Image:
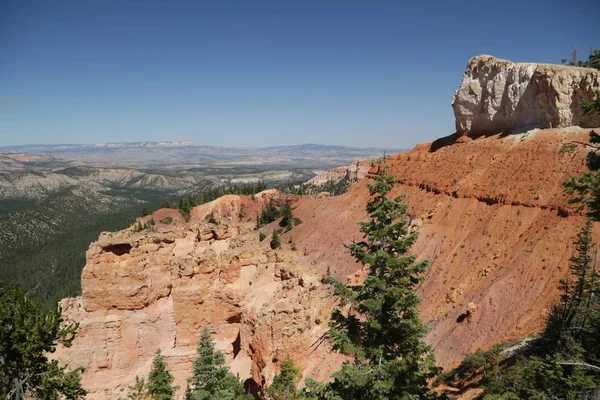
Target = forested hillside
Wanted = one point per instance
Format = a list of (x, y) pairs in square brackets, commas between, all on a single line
[(50, 216)]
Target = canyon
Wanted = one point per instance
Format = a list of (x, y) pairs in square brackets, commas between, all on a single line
[(492, 216)]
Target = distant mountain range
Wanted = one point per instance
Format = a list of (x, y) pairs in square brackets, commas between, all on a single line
[(185, 155), (168, 144)]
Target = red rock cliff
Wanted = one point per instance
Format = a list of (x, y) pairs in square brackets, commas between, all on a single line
[(493, 220)]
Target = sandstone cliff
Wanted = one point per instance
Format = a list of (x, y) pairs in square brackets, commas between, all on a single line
[(501, 96), (156, 289), (493, 219)]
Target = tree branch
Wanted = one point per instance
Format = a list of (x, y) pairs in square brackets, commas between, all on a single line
[(580, 365)]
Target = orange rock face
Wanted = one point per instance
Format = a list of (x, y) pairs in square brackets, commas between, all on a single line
[(150, 290), (493, 220)]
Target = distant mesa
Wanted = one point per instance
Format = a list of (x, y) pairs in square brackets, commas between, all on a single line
[(499, 96), (147, 144)]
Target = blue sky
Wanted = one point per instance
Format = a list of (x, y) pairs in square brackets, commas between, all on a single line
[(258, 73)]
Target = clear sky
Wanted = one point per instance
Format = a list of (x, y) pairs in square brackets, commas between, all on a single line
[(260, 73)]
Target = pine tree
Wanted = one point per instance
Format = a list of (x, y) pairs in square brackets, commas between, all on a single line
[(587, 186), (592, 107), (160, 380), (382, 331), (563, 362), (269, 213), (287, 220), (284, 384), (275, 240), (211, 379), (577, 293), (28, 334)]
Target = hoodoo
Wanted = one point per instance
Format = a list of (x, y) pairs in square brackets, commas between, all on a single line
[(499, 96)]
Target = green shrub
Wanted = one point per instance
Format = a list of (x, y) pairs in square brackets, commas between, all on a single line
[(275, 241), (473, 362), (268, 214), (567, 148), (210, 217)]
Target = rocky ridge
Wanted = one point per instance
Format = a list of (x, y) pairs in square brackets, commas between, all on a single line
[(498, 96), (354, 172), (496, 226)]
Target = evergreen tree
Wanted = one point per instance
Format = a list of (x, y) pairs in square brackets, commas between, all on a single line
[(160, 380), (587, 186), (275, 240), (260, 186), (269, 213), (28, 334), (563, 363), (569, 322), (287, 220), (382, 331), (593, 60), (211, 379), (284, 384), (592, 107)]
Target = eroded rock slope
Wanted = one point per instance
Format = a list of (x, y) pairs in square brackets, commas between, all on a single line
[(493, 220)]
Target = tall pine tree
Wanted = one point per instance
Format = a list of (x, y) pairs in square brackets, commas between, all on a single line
[(211, 379), (160, 379), (568, 323), (287, 219), (381, 329), (275, 241), (284, 384)]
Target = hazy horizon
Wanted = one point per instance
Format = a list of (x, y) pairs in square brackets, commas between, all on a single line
[(191, 143)]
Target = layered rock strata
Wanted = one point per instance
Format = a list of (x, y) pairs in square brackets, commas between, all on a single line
[(498, 96), (493, 219)]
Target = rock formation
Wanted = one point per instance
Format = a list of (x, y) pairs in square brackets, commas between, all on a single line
[(156, 289), (354, 172), (493, 219), (492, 215), (498, 96)]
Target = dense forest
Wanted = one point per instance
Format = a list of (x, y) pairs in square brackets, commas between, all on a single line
[(43, 247), (44, 243)]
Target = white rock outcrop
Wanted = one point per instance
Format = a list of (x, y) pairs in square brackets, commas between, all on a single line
[(501, 96)]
